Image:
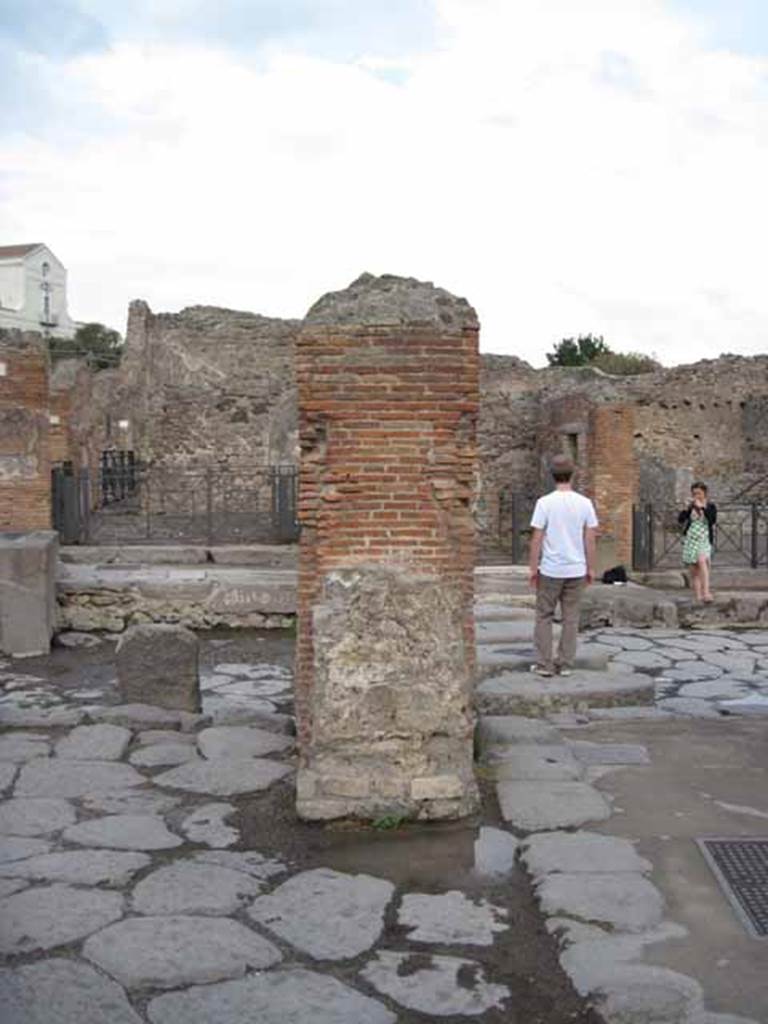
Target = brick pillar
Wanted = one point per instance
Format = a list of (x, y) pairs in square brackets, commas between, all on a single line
[(25, 469), (613, 478), (388, 402)]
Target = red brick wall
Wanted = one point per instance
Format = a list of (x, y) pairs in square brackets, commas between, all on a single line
[(613, 475), (388, 450), (25, 476)]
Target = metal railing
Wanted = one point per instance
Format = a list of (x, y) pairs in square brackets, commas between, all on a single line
[(741, 536)]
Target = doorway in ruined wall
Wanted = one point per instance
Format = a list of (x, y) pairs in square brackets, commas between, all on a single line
[(514, 529)]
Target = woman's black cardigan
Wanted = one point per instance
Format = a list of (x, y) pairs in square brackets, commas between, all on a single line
[(710, 514)]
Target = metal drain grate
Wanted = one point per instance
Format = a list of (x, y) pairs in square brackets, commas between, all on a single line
[(741, 868)]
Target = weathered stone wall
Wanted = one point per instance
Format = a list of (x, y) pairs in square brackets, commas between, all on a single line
[(210, 387), (613, 481), (25, 474), (388, 394)]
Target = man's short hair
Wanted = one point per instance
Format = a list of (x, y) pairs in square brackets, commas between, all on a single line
[(561, 468)]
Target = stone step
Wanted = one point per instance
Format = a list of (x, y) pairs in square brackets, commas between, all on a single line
[(489, 611), (518, 693), (494, 659)]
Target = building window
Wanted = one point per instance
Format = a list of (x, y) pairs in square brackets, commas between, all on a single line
[(3, 369), (45, 269), (572, 446)]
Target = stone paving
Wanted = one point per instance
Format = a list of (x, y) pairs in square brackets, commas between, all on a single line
[(128, 894)]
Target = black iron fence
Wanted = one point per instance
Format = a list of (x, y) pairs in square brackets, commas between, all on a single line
[(129, 503), (741, 536)]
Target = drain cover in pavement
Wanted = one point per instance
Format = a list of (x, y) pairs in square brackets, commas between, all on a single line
[(741, 868)]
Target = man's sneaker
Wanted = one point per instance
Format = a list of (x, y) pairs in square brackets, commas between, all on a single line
[(540, 670), (564, 671)]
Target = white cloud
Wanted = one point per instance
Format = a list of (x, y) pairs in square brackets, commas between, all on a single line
[(568, 168)]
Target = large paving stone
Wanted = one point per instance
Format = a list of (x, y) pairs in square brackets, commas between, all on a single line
[(495, 658), (73, 779), (79, 867), (279, 997), (34, 816), (206, 824), (223, 777), (437, 988), (158, 664), (16, 717), (724, 688), (518, 693), (240, 742), (163, 755), (167, 952), (124, 832), (535, 762), (13, 848), (643, 659), (495, 852), (148, 737), (187, 887), (8, 886), (144, 716), (61, 991), (22, 748), (576, 852), (733, 662), (536, 806), (94, 743), (626, 641), (504, 631), (500, 730), (251, 862), (688, 707), (625, 900), (451, 917), (330, 915), (221, 710), (130, 801), (43, 918)]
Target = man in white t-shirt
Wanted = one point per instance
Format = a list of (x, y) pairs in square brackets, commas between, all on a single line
[(562, 563)]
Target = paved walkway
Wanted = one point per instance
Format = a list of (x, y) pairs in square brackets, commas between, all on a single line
[(151, 870)]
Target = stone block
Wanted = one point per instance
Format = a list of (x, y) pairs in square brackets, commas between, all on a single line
[(159, 665), (437, 787), (27, 592)]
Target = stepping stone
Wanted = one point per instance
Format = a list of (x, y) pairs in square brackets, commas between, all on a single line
[(123, 832), (159, 664), (145, 716), (495, 631), (536, 806), (281, 997), (206, 825), (22, 748), (451, 918), (35, 816), (251, 863), (130, 802), (240, 742), (495, 852), (94, 743), (535, 762), (327, 914), (577, 852), (13, 848), (186, 887), (224, 777), (518, 693), (434, 985), (62, 991), (624, 900), (157, 755), (609, 753), (497, 730), (79, 867), (495, 658), (43, 918), (73, 779), (168, 952)]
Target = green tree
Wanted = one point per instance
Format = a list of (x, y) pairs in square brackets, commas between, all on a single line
[(99, 345), (579, 351)]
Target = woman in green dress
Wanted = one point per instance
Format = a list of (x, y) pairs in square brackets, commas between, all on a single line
[(698, 523)]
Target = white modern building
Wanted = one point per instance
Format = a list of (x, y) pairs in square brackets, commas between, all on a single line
[(33, 291)]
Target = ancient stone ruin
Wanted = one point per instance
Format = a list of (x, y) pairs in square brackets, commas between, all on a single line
[(388, 398)]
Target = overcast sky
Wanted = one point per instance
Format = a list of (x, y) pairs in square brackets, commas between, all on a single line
[(569, 166)]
